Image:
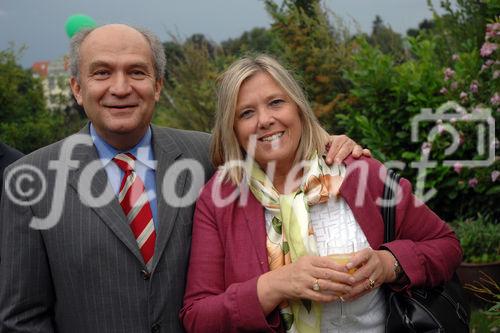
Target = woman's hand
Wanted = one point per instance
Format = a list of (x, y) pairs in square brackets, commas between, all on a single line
[(297, 280), (373, 268)]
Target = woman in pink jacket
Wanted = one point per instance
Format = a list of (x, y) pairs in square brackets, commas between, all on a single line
[(264, 222)]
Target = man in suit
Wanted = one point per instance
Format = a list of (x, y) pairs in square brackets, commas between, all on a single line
[(105, 247), (7, 156)]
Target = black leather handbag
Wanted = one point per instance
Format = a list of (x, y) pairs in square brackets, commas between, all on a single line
[(439, 309)]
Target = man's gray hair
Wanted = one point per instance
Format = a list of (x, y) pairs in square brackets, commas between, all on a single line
[(159, 59)]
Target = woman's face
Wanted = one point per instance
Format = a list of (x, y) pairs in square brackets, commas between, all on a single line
[(269, 119)]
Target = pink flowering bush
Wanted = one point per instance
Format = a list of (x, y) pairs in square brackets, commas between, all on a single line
[(487, 49), (477, 75), (387, 94), (495, 174)]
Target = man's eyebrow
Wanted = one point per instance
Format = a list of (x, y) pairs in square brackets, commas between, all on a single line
[(140, 64), (97, 64), (100, 63)]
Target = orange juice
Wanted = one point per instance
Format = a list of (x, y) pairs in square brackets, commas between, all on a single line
[(342, 259)]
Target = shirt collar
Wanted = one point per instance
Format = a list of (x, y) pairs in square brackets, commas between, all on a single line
[(142, 151)]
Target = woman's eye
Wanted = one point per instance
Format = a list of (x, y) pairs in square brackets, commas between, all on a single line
[(276, 102), (246, 114)]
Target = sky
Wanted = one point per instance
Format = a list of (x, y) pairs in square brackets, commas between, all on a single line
[(39, 24)]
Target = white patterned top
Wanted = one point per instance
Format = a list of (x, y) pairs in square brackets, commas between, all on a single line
[(334, 220)]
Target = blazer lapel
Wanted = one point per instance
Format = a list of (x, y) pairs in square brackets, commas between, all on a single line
[(166, 153), (111, 213), (254, 216)]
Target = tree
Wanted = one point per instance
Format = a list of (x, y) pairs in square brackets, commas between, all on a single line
[(388, 94), (188, 98), (317, 50), (257, 40), (386, 39), (424, 26), (20, 94), (461, 28), (308, 7), (25, 123)]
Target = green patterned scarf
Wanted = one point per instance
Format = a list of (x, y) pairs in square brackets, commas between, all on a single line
[(292, 235)]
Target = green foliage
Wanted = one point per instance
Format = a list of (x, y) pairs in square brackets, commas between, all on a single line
[(483, 321), (370, 87), (387, 95), (188, 99), (487, 289), (257, 40), (32, 132), (306, 6), (317, 49), (479, 238), (25, 123), (386, 39), (20, 95), (493, 313), (424, 27), (473, 81), (461, 27)]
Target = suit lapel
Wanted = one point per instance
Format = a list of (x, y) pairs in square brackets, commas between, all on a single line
[(166, 153), (111, 214)]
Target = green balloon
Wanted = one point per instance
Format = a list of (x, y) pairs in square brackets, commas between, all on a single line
[(77, 22)]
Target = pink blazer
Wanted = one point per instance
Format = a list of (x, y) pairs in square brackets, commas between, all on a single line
[(228, 251)]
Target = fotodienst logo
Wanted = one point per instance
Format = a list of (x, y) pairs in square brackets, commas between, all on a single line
[(446, 119)]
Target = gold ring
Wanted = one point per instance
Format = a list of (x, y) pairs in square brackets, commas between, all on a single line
[(316, 286), (372, 283)]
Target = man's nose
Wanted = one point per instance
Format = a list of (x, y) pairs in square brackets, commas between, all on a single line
[(120, 85)]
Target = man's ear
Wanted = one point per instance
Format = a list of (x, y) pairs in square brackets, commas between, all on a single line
[(76, 89), (158, 87)]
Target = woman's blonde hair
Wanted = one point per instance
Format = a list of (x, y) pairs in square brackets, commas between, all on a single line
[(225, 147)]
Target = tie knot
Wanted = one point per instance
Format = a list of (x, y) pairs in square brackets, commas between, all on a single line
[(125, 161)]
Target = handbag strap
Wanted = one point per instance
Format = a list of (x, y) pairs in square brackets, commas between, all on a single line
[(451, 291), (389, 206)]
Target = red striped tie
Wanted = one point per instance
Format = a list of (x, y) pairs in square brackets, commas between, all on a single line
[(135, 204)]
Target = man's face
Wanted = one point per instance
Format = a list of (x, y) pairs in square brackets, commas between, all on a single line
[(117, 85)]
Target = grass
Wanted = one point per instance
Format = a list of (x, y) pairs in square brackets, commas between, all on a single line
[(480, 322)]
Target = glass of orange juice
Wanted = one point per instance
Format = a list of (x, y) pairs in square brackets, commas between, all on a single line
[(340, 251)]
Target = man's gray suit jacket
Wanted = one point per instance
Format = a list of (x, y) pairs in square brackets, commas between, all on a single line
[(7, 156), (85, 273)]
